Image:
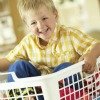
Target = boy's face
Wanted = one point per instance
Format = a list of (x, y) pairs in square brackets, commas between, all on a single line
[(42, 22)]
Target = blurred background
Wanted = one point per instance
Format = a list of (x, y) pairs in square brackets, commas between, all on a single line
[(81, 14)]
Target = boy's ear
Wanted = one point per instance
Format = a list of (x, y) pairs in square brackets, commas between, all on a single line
[(56, 14)]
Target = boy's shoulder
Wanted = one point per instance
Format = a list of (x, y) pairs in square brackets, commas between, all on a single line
[(28, 36), (68, 30)]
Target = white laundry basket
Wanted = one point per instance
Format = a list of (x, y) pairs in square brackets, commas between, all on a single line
[(54, 86)]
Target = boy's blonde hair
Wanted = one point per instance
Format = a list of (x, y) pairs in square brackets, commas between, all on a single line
[(26, 5)]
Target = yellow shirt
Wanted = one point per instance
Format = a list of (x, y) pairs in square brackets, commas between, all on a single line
[(67, 45)]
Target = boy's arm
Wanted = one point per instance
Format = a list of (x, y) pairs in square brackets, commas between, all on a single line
[(4, 64), (90, 58), (95, 51)]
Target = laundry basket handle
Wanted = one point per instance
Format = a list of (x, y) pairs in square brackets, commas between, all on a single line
[(15, 78)]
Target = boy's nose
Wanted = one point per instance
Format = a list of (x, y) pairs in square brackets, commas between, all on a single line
[(41, 26)]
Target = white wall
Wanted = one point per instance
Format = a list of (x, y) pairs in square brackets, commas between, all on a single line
[(93, 9), (86, 18)]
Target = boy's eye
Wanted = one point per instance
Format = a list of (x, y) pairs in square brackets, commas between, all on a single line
[(33, 23), (44, 18)]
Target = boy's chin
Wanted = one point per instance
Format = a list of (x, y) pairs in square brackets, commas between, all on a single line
[(44, 38)]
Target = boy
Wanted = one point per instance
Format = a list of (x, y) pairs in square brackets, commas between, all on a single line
[(49, 46)]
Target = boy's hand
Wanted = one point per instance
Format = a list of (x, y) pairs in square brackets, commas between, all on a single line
[(90, 63)]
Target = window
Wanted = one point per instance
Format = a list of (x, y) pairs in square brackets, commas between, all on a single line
[(7, 34)]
